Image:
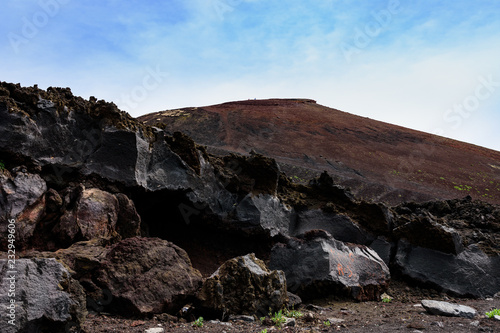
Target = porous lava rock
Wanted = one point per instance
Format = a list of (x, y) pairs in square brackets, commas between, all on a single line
[(46, 298), (146, 276), (243, 286)]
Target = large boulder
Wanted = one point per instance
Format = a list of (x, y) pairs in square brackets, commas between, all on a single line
[(452, 245), (469, 273), (243, 285), (18, 192), (146, 276), (46, 298), (22, 199), (94, 215), (318, 265)]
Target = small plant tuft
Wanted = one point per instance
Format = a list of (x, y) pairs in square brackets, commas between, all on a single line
[(293, 313), (2, 166), (264, 330), (327, 323), (198, 322), (278, 318), (492, 313)]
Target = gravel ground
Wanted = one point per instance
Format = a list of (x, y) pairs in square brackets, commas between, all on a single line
[(403, 314)]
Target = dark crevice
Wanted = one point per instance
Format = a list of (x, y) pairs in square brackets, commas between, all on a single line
[(208, 240)]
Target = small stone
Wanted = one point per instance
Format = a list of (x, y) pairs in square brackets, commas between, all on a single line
[(385, 296), (497, 317), (218, 322), (248, 319), (137, 323), (475, 323), (309, 317), (315, 308), (335, 320), (293, 300), (448, 309), (290, 322), (167, 317), (439, 324), (155, 330)]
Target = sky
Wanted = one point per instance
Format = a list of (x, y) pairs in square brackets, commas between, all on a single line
[(429, 65)]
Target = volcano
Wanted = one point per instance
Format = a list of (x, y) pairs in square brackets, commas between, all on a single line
[(378, 161)]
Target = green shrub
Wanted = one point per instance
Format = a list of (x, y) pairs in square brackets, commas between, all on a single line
[(198, 322), (494, 312), (293, 313), (278, 318)]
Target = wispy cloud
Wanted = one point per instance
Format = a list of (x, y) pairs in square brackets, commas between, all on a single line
[(412, 61)]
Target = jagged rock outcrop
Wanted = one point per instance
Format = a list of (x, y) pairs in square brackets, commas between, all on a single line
[(452, 245), (244, 285), (471, 273), (46, 298), (69, 138), (48, 220), (316, 265)]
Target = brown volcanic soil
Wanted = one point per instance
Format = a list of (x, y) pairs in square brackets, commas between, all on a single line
[(377, 160), (403, 314)]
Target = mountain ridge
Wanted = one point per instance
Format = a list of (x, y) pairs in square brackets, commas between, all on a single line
[(377, 160)]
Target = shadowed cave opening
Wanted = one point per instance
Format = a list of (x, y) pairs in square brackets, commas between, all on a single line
[(208, 239)]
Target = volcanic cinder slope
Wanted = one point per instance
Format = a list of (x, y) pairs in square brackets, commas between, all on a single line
[(377, 160)]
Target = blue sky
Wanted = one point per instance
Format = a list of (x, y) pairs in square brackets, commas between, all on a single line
[(428, 65)]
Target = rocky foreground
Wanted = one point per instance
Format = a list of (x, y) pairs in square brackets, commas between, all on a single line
[(107, 215)]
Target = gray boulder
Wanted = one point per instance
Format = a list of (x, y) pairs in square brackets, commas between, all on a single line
[(21, 199), (319, 265), (19, 192), (46, 298), (266, 212), (243, 285), (448, 309), (384, 249), (470, 273)]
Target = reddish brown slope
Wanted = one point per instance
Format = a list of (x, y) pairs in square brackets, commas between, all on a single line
[(377, 160)]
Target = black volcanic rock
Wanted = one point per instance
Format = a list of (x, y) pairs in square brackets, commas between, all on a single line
[(471, 273), (83, 179), (244, 285), (321, 265)]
